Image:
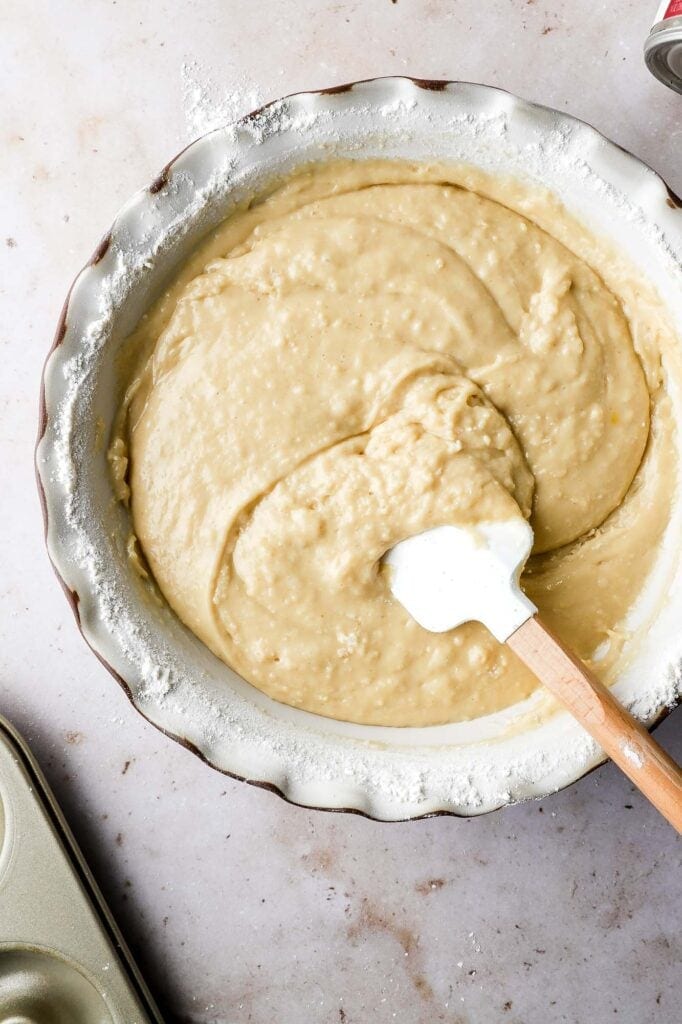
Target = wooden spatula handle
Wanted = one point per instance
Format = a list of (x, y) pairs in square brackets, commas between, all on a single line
[(623, 738)]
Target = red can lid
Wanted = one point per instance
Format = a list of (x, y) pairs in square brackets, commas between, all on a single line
[(671, 9)]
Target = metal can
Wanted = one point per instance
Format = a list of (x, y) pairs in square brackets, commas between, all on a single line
[(663, 48)]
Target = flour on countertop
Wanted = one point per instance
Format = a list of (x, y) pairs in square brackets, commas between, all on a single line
[(208, 105)]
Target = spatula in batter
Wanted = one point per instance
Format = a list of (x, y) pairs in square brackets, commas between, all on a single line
[(450, 575)]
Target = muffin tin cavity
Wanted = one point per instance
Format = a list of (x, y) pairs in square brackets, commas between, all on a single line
[(37, 987), (62, 958)]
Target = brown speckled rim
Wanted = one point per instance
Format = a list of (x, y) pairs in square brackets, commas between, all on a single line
[(156, 186)]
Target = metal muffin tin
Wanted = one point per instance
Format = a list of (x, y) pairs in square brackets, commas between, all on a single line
[(62, 958)]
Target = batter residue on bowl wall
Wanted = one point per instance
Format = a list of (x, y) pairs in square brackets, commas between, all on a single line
[(373, 349)]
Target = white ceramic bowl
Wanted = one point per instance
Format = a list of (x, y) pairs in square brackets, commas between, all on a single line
[(170, 676)]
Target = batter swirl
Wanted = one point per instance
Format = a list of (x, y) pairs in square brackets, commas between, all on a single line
[(371, 351)]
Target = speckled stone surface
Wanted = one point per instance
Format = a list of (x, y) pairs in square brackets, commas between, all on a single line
[(239, 907)]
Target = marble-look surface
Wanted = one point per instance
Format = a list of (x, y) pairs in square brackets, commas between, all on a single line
[(239, 907)]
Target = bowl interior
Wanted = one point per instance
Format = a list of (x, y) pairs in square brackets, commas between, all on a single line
[(172, 678)]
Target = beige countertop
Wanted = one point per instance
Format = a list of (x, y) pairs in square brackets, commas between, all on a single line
[(240, 907)]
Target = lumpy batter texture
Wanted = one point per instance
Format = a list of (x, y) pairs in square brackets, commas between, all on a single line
[(372, 350)]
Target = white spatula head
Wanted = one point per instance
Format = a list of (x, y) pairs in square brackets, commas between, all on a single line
[(454, 574)]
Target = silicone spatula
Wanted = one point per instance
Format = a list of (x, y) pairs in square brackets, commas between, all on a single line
[(452, 574)]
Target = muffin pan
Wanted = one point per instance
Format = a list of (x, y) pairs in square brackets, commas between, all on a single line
[(62, 958)]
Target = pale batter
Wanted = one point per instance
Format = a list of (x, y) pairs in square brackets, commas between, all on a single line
[(372, 350)]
